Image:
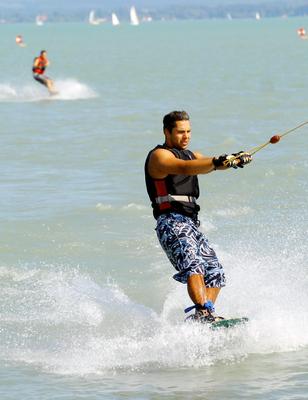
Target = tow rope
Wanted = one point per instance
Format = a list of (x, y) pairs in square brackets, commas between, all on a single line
[(273, 140)]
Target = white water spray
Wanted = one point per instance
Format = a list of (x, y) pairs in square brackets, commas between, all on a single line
[(68, 89)]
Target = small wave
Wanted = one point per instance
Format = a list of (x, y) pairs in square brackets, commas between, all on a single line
[(103, 207), (134, 206), (127, 207), (233, 212), (69, 89)]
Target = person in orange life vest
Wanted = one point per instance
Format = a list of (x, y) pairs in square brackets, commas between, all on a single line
[(172, 184), (40, 64)]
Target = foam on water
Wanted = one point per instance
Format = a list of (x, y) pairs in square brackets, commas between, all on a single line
[(69, 89), (128, 207), (60, 320), (234, 211)]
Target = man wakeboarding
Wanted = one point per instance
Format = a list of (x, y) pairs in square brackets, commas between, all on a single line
[(171, 174), (40, 64)]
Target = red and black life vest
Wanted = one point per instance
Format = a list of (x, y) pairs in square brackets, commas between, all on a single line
[(175, 193), (41, 66)]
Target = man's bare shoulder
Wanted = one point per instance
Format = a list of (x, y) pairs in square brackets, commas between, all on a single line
[(162, 153), (159, 162)]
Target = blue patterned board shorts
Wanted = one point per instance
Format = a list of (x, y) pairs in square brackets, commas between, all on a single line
[(188, 250)]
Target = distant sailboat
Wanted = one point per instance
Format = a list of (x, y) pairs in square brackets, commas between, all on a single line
[(93, 20), (40, 19), (114, 19), (134, 20), (258, 16), (147, 18)]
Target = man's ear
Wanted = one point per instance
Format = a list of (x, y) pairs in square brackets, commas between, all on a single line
[(166, 132)]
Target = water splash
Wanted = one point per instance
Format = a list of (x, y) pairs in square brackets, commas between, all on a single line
[(62, 321), (69, 89)]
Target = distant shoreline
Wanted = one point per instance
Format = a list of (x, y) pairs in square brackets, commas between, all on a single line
[(126, 22), (177, 12)]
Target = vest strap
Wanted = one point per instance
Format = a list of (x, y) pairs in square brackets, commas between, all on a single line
[(170, 197)]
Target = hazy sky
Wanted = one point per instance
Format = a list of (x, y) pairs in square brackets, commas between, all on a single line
[(28, 6), (119, 3)]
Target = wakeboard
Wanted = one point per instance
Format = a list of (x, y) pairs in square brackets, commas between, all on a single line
[(229, 323), (220, 323)]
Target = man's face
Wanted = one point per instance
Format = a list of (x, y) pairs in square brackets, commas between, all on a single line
[(44, 54), (180, 135)]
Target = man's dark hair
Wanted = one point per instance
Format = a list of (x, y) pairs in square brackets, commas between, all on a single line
[(171, 118), (42, 51)]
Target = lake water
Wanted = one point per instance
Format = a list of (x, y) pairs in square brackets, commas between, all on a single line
[(88, 306)]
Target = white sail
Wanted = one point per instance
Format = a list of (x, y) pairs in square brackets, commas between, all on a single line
[(39, 20), (114, 19), (92, 19), (258, 16), (134, 20)]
